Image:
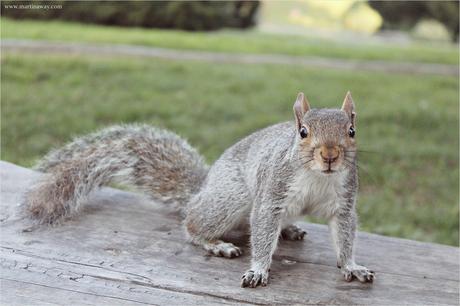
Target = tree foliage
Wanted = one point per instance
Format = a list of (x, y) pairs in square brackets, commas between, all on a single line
[(406, 14), (186, 15)]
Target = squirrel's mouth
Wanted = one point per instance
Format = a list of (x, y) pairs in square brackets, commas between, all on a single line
[(329, 169)]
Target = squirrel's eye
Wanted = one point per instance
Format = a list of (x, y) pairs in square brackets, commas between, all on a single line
[(351, 132), (303, 132)]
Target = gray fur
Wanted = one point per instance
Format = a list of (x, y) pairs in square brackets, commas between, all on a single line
[(265, 180), (155, 161)]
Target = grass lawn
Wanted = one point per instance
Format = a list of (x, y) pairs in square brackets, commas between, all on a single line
[(409, 182), (229, 41)]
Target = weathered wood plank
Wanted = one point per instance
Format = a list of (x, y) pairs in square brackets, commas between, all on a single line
[(23, 293), (124, 246), (93, 282)]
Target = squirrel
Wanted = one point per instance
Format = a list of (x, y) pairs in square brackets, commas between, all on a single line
[(265, 181)]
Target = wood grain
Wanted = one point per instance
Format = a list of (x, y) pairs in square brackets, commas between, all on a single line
[(127, 250)]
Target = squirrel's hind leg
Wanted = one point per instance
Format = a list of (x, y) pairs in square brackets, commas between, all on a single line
[(216, 210), (210, 217), (205, 228)]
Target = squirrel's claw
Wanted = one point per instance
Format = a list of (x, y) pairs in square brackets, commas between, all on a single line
[(253, 278), (293, 232), (363, 274), (223, 249)]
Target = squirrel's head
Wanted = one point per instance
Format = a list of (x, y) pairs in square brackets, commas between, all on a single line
[(326, 137)]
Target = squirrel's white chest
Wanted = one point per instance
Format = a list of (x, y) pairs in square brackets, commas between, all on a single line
[(315, 194)]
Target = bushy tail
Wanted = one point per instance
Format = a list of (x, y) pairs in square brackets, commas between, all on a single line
[(155, 161)]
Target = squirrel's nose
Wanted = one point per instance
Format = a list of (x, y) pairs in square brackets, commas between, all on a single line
[(329, 154)]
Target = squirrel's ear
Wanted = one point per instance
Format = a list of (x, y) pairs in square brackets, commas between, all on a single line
[(301, 106), (349, 107)]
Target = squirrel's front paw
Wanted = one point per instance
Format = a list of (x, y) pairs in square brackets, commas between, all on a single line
[(293, 232), (363, 274), (254, 278)]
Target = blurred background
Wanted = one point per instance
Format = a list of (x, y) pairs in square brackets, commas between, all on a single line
[(216, 71)]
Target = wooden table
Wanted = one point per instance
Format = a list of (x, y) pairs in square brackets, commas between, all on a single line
[(127, 250)]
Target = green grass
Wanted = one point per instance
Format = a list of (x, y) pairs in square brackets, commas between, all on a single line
[(228, 41), (409, 184)]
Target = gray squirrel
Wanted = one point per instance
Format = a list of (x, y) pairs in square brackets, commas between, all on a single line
[(265, 181)]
